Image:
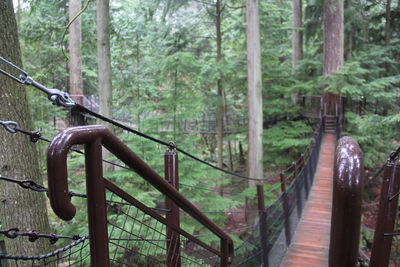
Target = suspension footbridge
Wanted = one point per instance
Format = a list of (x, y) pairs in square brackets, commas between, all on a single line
[(310, 244)]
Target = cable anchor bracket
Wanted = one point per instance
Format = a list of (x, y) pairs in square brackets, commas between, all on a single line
[(56, 96), (10, 126)]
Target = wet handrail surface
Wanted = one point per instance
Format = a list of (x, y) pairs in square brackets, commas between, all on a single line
[(348, 179), (58, 175)]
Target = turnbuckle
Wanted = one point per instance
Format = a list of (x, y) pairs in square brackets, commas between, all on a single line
[(56, 96)]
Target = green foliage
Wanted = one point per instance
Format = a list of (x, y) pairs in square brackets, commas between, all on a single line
[(363, 77), (286, 138), (374, 136)]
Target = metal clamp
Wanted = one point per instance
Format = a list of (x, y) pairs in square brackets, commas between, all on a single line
[(171, 146), (56, 96)]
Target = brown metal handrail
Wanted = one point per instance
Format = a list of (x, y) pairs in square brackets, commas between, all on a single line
[(94, 137), (346, 204)]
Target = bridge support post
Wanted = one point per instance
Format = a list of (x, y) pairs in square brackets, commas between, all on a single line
[(285, 209), (263, 225), (348, 179), (172, 177), (383, 236), (96, 199)]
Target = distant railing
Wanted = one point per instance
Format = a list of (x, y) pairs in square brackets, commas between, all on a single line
[(348, 179), (89, 101), (152, 238), (206, 124)]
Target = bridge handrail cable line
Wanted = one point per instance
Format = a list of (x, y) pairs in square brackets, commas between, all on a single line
[(60, 98)]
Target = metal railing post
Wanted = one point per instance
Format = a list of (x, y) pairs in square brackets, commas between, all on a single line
[(173, 216), (346, 204), (263, 224), (381, 246), (285, 209), (298, 190), (295, 172), (305, 175), (96, 198)]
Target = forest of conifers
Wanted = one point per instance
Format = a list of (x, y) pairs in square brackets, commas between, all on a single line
[(178, 70)]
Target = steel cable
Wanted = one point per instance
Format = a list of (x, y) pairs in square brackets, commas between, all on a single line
[(83, 109), (13, 127)]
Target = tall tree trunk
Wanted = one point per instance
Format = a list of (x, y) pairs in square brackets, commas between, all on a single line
[(349, 42), (220, 89), (104, 64), (255, 111), (75, 55), (297, 37), (333, 46), (388, 29), (297, 40), (333, 36), (19, 11), (75, 61), (19, 207), (138, 80), (230, 156), (255, 164)]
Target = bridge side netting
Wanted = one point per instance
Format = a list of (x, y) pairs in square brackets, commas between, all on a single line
[(277, 221)]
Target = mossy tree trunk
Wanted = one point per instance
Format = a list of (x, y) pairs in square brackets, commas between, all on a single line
[(19, 207)]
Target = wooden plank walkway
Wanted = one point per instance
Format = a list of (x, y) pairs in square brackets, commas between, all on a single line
[(310, 244)]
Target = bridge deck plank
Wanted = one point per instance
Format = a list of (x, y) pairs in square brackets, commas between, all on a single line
[(310, 244)]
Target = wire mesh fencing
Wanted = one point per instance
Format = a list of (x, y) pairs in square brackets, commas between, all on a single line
[(281, 217), (140, 237), (74, 254)]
